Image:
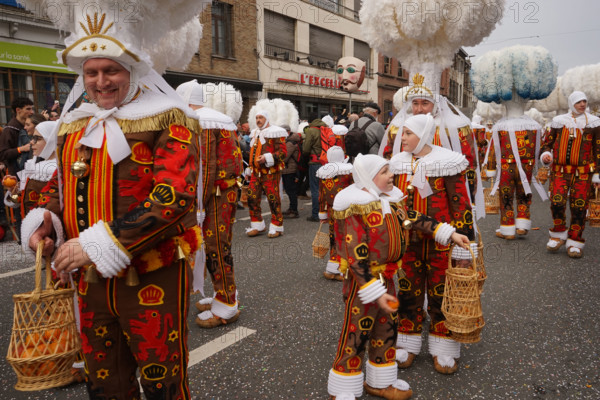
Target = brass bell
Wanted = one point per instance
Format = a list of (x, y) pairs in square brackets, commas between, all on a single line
[(218, 191), (15, 198), (407, 224), (80, 169), (132, 278), (180, 253), (410, 189), (91, 276)]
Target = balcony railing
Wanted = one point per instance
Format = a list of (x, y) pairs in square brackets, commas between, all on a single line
[(298, 57), (336, 8)]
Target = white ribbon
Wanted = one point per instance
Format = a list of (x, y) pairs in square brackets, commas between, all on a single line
[(103, 122), (419, 180)]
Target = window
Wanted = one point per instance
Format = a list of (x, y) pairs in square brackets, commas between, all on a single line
[(357, 9), (387, 65), (387, 111), (330, 5), (362, 51), (400, 71), (280, 35), (222, 36), (42, 87), (325, 45)]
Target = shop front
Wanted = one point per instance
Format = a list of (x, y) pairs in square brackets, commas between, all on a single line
[(34, 72)]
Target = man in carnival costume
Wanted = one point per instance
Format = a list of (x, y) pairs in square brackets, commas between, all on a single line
[(221, 165), (267, 155), (423, 98), (122, 208), (573, 148)]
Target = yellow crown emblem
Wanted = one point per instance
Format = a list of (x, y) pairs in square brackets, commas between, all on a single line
[(95, 28), (418, 89), (151, 295)]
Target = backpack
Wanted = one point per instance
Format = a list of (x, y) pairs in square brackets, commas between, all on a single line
[(356, 140), (328, 140)]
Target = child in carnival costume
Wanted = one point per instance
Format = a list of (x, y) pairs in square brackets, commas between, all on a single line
[(370, 224), (434, 179), (333, 177)]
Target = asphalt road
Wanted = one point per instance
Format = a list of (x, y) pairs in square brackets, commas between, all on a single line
[(540, 340)]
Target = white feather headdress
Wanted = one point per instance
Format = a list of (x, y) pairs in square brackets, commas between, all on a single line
[(223, 98), (281, 112)]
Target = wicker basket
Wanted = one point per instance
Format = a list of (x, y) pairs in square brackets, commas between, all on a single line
[(244, 195), (492, 203), (44, 340), (594, 212), (542, 174), (320, 244), (469, 337), (480, 265), (461, 304)]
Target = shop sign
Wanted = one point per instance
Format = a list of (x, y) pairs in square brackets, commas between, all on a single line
[(22, 56)]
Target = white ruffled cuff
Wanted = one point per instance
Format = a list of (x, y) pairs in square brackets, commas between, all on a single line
[(322, 216), (371, 291), (546, 153), (443, 233), (440, 347), (274, 228), (596, 178), (381, 376), (32, 222), (222, 310), (269, 160), (346, 384), (458, 253), (109, 256), (410, 343), (490, 173)]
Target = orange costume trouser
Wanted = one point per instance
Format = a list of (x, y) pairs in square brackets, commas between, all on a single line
[(366, 326), (124, 328), (218, 231), (269, 183), (575, 188), (510, 182)]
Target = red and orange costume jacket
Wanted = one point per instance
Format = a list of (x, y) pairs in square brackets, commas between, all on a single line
[(269, 142), (333, 178), (139, 211), (220, 149), (35, 177), (574, 150)]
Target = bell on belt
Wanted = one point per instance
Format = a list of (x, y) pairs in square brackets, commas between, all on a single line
[(80, 169), (410, 189), (15, 198), (407, 224), (132, 278), (91, 276), (180, 253), (218, 192)]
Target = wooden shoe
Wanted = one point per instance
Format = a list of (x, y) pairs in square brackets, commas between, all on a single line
[(203, 307), (577, 253), (522, 232), (554, 249), (408, 362), (275, 234), (502, 236), (389, 393), (444, 370), (333, 277), (216, 321), (254, 232)]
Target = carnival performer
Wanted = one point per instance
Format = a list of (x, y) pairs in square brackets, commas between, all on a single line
[(333, 177), (573, 148), (123, 211), (370, 230), (434, 179), (221, 164), (422, 99), (479, 135), (36, 173), (267, 155)]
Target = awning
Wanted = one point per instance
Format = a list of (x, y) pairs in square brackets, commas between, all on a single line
[(175, 79)]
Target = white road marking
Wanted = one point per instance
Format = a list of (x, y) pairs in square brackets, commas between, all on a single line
[(16, 272), (222, 342)]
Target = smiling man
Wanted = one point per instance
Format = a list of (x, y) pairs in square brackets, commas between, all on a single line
[(122, 218)]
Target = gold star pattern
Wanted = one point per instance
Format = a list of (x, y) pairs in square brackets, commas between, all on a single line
[(173, 336), (101, 331), (102, 373)]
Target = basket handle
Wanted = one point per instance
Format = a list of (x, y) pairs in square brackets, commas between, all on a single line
[(473, 261), (321, 223), (37, 291)]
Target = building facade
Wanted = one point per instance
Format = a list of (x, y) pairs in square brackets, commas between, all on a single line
[(28, 63), (228, 50), (299, 44)]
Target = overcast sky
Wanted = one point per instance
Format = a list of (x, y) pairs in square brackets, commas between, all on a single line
[(569, 29)]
